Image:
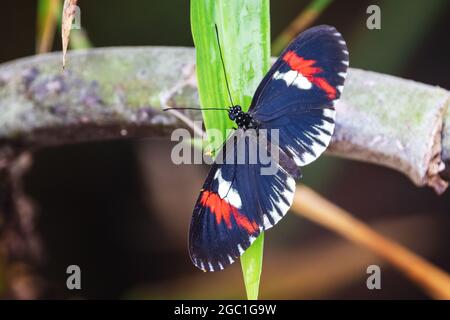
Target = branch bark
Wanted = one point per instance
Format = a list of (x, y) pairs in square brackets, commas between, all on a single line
[(119, 92)]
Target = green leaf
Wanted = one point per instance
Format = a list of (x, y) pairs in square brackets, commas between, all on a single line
[(251, 262), (46, 24), (244, 34)]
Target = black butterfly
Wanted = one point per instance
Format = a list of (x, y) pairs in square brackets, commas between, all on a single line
[(297, 97)]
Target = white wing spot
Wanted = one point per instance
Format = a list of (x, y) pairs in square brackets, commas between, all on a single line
[(329, 113), (226, 191), (345, 62), (293, 78), (324, 137), (329, 128), (309, 157), (266, 222), (292, 185), (284, 203), (342, 74), (297, 160)]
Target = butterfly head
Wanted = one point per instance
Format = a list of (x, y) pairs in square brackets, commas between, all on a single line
[(243, 119), (234, 112)]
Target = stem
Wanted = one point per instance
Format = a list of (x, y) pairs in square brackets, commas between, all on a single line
[(314, 207), (300, 23)]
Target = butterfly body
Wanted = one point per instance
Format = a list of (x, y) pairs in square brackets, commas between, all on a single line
[(243, 120), (295, 105)]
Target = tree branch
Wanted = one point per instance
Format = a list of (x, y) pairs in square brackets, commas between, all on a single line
[(119, 92)]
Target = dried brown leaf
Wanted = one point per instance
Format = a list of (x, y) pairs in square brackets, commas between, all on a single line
[(69, 10)]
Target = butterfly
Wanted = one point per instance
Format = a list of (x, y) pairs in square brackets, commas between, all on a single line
[(296, 97)]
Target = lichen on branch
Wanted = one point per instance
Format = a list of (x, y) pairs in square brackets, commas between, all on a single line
[(118, 92)]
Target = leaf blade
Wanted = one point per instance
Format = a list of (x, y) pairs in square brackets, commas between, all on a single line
[(244, 34)]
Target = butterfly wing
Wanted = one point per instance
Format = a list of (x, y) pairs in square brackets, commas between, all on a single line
[(297, 95), (236, 203)]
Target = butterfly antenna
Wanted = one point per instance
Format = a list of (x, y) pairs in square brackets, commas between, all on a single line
[(223, 64), (176, 108)]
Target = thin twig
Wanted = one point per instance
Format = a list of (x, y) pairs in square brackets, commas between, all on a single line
[(300, 23), (47, 28), (314, 207)]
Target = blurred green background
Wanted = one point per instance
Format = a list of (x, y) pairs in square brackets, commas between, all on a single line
[(109, 207)]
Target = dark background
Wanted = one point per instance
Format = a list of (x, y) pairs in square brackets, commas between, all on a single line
[(120, 210)]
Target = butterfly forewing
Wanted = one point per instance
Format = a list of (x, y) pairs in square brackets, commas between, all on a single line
[(298, 94)]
